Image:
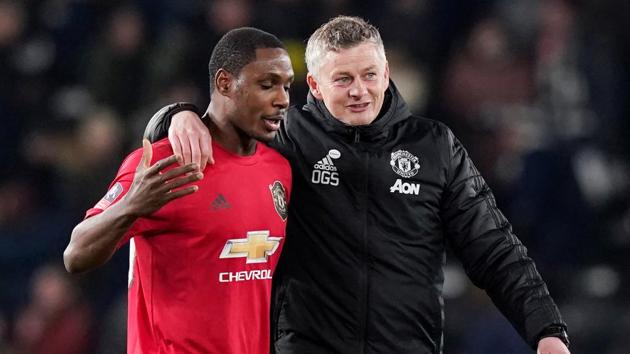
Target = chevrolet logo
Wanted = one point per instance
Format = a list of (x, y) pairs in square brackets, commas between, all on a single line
[(257, 247)]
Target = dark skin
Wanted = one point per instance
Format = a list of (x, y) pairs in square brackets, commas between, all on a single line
[(244, 108), (94, 240)]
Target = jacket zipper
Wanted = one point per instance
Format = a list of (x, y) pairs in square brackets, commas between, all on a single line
[(366, 255)]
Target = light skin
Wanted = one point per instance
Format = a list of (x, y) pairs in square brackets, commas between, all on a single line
[(244, 108), (352, 84)]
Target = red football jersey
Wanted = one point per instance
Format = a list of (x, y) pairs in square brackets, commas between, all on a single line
[(201, 266)]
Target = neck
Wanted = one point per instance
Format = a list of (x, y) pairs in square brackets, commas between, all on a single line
[(226, 134)]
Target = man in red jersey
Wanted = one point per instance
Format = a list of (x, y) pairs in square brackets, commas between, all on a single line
[(202, 255)]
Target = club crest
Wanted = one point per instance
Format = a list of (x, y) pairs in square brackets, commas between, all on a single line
[(279, 195), (404, 163)]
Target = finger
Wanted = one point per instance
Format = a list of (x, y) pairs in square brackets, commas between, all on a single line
[(175, 144), (211, 156), (162, 164), (179, 171), (181, 193), (147, 154), (205, 145), (195, 151), (186, 153), (178, 182)]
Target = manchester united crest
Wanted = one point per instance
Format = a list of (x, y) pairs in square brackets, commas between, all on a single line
[(279, 195), (404, 163)]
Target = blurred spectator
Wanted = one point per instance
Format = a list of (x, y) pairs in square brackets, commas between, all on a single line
[(485, 83), (538, 90), (485, 72), (5, 347), (29, 235), (56, 320), (116, 64)]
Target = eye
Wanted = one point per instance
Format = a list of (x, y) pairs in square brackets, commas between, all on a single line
[(266, 85), (342, 80), (370, 76)]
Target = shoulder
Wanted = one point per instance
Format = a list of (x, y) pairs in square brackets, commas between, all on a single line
[(296, 117), (161, 149), (416, 125), (271, 155)]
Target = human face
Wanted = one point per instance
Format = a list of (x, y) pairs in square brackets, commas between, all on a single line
[(352, 83), (261, 94)]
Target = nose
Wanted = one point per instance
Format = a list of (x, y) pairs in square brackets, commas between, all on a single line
[(358, 89), (282, 98)]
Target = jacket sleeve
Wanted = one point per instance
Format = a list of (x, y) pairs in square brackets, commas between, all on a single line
[(493, 257), (157, 128)]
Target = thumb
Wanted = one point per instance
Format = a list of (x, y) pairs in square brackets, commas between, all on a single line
[(147, 154)]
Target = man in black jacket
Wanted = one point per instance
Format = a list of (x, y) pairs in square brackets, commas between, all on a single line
[(377, 194)]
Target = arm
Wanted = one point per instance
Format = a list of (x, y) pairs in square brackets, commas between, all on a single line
[(94, 240), (188, 136), (493, 257)]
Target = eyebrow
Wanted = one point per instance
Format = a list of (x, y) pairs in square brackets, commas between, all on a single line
[(347, 73), (275, 77)]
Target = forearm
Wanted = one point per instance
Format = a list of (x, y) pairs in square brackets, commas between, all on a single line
[(94, 240)]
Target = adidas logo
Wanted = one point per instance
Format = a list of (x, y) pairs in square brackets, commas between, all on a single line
[(220, 203), (325, 171), (325, 164)]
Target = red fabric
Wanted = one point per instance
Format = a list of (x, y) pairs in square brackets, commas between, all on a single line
[(178, 302)]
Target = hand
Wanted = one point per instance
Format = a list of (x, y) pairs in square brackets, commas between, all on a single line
[(191, 139), (552, 345), (151, 189)]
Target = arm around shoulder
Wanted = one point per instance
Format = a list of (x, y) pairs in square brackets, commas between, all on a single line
[(188, 135)]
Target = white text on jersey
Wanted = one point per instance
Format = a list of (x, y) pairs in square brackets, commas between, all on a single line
[(257, 274), (405, 187)]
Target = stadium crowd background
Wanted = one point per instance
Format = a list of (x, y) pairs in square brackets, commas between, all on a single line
[(538, 91)]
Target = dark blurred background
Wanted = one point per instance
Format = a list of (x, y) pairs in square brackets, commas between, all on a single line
[(536, 89)]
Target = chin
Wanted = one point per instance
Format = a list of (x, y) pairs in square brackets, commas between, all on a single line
[(265, 138)]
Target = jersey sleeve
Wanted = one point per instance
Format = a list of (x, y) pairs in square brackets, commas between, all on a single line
[(117, 189)]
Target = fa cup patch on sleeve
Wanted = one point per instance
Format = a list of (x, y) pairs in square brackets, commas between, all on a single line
[(111, 195)]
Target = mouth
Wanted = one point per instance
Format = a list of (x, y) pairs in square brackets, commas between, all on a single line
[(272, 123), (358, 107)]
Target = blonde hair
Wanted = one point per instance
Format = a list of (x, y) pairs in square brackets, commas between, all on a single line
[(341, 32)]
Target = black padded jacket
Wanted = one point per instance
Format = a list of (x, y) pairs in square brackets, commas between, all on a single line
[(371, 212)]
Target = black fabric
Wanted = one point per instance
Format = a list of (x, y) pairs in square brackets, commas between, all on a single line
[(361, 269)]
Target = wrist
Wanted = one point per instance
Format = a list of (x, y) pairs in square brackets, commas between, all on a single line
[(157, 128), (175, 108), (125, 211)]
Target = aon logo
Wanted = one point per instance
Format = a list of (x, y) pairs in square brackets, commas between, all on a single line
[(405, 187), (325, 177)]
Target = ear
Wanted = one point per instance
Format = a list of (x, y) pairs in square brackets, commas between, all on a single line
[(313, 86), (387, 73), (223, 82)]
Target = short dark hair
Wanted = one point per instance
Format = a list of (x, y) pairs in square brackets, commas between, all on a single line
[(237, 48)]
